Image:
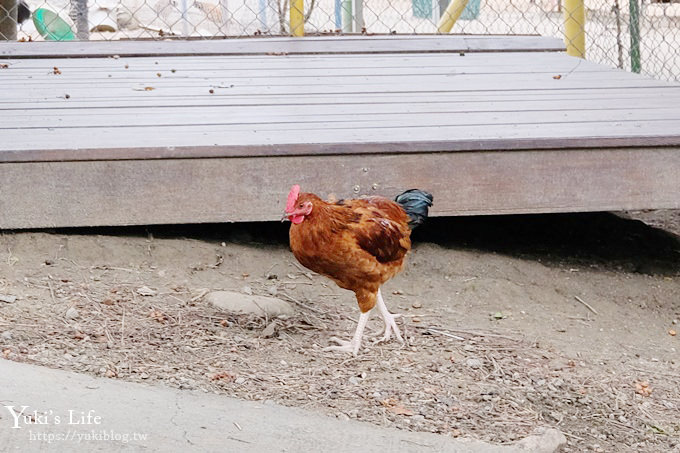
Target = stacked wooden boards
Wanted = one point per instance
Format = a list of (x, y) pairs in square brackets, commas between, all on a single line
[(118, 133)]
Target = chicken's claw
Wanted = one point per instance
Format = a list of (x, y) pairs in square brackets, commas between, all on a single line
[(344, 346), (391, 325), (389, 319), (354, 344)]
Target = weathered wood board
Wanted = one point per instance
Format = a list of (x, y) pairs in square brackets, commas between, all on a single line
[(134, 192), (219, 135), (348, 44)]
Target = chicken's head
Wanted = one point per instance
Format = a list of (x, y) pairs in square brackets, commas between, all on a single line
[(297, 207)]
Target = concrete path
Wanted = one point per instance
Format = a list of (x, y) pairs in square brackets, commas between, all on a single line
[(70, 412)]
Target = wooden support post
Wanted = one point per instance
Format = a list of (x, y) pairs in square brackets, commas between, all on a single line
[(297, 17), (451, 15), (635, 64), (8, 20), (575, 28)]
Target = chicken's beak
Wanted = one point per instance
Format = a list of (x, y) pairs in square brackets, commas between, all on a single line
[(284, 217)]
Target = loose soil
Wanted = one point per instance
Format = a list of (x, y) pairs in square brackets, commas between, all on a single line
[(512, 323)]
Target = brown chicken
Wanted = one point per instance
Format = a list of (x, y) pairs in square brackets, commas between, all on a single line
[(359, 244)]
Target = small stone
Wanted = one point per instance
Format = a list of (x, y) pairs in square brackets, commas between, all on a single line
[(557, 382), (146, 291), (272, 290), (270, 330), (7, 298), (72, 313), (473, 363), (283, 362), (354, 380), (417, 305), (247, 290), (543, 439), (376, 395), (418, 418), (246, 303), (240, 380), (6, 335), (144, 375), (342, 416)]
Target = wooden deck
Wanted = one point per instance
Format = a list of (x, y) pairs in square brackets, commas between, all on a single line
[(217, 131)]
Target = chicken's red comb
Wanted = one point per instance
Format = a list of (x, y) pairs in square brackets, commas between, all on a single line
[(292, 197)]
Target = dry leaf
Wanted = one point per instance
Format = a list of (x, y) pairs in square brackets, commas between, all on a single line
[(557, 77), (158, 315), (396, 407), (223, 376), (643, 388), (672, 332)]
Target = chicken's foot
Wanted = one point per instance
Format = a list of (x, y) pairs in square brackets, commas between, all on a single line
[(354, 344), (389, 319)]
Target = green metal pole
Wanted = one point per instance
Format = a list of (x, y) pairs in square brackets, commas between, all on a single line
[(634, 27), (347, 20)]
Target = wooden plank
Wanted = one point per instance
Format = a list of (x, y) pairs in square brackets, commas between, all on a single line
[(263, 46), (328, 117), (222, 190), (44, 76), (462, 85), (362, 145), (323, 78), (632, 97), (520, 62), (24, 118)]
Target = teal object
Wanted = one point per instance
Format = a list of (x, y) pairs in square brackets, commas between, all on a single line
[(51, 26), (422, 8), (471, 11)]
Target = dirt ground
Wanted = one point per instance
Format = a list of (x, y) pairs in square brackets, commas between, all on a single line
[(512, 323)]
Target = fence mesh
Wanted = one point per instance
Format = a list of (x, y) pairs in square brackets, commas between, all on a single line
[(610, 24)]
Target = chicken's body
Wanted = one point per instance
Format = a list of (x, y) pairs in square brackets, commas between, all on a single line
[(359, 244)]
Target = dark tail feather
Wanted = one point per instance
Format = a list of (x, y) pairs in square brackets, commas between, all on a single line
[(23, 12), (416, 204)]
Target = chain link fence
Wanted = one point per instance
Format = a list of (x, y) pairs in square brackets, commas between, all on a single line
[(614, 28)]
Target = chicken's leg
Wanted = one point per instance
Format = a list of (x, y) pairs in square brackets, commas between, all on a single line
[(354, 344), (390, 324)]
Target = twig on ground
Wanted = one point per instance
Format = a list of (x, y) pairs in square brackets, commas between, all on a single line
[(586, 304), (455, 337)]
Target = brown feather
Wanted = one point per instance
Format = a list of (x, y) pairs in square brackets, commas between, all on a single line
[(359, 244)]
